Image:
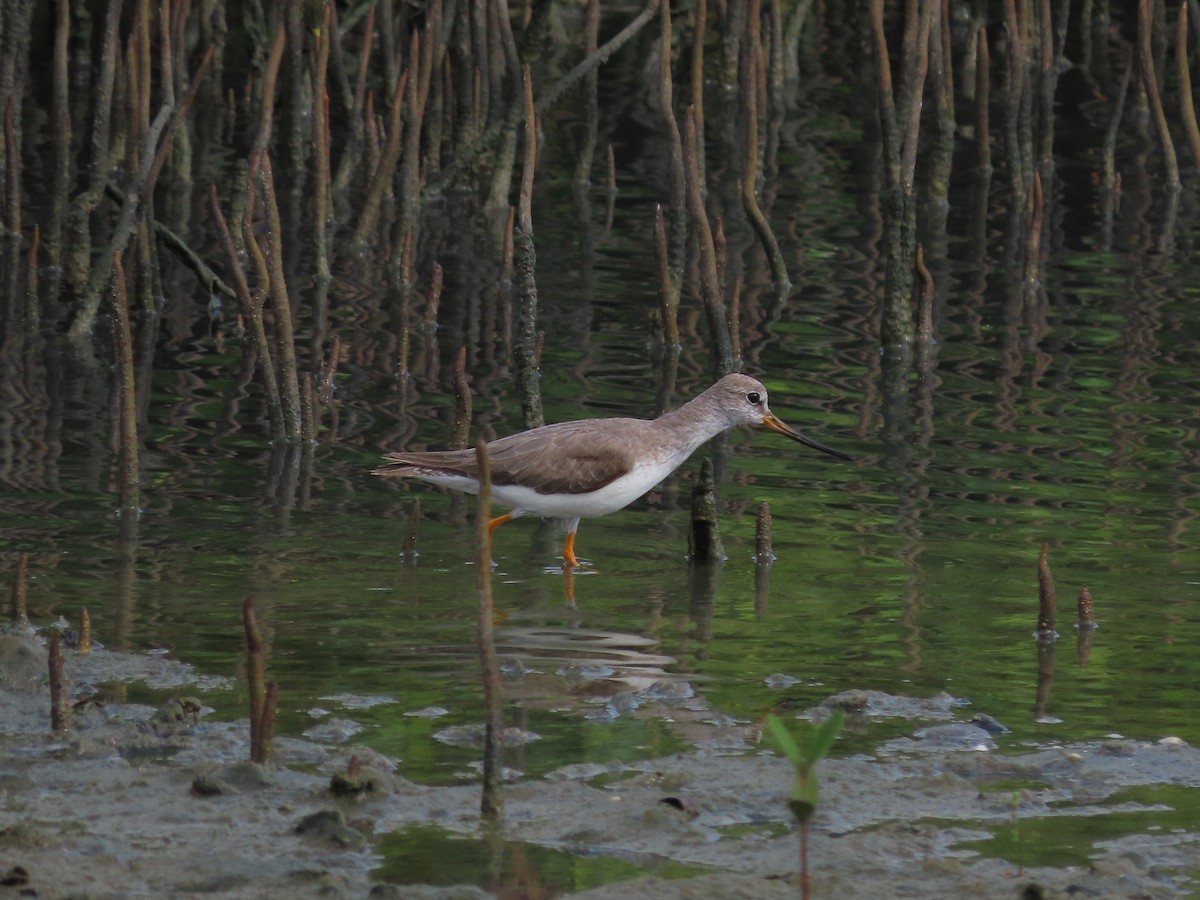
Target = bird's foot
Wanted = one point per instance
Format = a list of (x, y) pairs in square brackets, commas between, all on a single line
[(580, 567)]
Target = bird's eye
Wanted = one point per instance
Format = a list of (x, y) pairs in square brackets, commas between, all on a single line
[(753, 397)]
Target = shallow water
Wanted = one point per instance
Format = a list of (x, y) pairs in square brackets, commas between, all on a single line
[(910, 570), (416, 856), (1062, 413)]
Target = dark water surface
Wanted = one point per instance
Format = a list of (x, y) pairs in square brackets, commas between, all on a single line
[(911, 570), (1060, 413)]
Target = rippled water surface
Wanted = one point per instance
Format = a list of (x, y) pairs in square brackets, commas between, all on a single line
[(912, 569), (1059, 413)]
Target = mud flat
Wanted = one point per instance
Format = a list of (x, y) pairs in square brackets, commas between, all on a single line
[(137, 801)]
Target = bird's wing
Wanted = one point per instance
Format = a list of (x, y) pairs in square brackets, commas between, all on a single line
[(568, 458)]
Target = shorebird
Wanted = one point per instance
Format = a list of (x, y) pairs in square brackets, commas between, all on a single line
[(593, 467)]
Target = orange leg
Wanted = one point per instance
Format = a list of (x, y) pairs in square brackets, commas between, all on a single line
[(493, 524), (569, 550)]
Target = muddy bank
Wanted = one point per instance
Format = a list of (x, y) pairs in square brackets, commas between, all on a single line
[(138, 801)]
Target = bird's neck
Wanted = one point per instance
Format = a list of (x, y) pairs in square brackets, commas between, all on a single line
[(696, 421)]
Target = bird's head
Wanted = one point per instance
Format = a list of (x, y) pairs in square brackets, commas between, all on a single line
[(745, 401)]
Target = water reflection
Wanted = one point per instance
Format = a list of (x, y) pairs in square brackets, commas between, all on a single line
[(504, 867), (1055, 402)]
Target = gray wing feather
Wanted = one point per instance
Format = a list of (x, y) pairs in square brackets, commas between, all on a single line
[(570, 457)]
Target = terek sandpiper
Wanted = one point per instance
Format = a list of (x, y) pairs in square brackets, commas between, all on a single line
[(593, 467)]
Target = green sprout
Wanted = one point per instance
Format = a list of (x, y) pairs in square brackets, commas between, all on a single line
[(803, 802)]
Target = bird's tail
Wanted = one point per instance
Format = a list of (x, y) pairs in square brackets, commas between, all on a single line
[(397, 466), (417, 464)]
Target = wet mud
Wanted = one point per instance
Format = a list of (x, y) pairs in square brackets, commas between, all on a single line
[(144, 801)]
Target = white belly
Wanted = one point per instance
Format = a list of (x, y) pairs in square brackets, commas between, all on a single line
[(613, 496)]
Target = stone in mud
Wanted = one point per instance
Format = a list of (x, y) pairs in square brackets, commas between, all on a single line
[(365, 780), (23, 664), (990, 724), (237, 778), (328, 826)]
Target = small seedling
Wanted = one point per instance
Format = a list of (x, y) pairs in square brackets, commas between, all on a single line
[(803, 802)]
